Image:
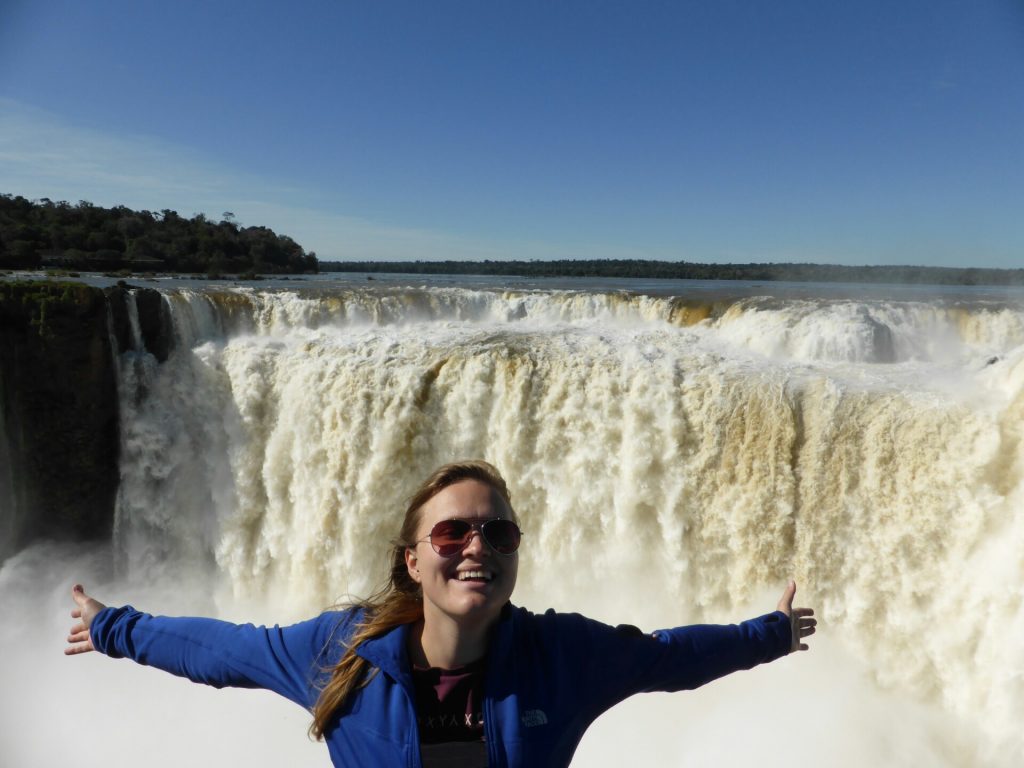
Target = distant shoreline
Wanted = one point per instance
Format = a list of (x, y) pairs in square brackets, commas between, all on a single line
[(668, 270)]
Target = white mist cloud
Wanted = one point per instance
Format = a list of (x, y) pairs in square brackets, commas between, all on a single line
[(820, 709), (69, 710)]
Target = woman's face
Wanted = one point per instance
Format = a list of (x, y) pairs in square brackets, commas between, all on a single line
[(474, 584)]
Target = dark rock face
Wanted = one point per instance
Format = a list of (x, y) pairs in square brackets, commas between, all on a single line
[(154, 322), (120, 325), (59, 436)]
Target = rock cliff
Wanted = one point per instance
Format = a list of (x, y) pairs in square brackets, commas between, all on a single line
[(59, 439)]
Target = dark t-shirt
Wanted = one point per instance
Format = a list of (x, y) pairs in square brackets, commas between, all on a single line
[(449, 707)]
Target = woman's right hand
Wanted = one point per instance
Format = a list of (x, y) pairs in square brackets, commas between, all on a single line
[(85, 611), (801, 620)]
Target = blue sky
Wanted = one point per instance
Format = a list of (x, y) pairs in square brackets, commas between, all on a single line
[(840, 132)]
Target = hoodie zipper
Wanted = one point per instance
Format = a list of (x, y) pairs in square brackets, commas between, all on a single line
[(415, 759), (493, 756)]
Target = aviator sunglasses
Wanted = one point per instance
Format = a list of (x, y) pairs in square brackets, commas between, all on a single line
[(449, 537)]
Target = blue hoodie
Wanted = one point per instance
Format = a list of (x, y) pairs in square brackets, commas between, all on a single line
[(548, 675)]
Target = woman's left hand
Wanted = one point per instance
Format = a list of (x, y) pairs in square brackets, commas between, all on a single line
[(801, 620), (86, 608)]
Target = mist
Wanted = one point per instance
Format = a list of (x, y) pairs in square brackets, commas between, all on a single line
[(820, 707)]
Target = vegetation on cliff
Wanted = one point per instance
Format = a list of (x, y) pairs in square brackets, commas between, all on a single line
[(683, 270), (40, 302), (89, 237)]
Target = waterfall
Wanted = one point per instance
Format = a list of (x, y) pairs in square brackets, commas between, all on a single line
[(672, 460), (870, 450)]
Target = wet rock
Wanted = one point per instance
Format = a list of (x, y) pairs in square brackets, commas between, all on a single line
[(154, 322), (120, 325), (58, 414)]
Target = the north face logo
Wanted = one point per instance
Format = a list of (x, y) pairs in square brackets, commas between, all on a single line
[(532, 717)]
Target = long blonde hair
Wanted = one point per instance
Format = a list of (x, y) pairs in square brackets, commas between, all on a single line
[(400, 601)]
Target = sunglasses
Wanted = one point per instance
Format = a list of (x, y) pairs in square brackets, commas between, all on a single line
[(449, 537)]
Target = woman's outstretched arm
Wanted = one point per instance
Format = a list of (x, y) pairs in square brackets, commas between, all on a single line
[(625, 661), (286, 660)]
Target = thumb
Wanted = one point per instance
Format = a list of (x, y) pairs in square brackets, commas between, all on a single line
[(86, 607), (786, 601), (79, 596)]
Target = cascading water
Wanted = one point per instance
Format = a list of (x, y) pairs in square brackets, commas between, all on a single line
[(672, 461)]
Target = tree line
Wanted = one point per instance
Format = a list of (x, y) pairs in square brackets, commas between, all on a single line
[(83, 236), (684, 270), (87, 237)]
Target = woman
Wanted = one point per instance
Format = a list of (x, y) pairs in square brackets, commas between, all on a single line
[(439, 668)]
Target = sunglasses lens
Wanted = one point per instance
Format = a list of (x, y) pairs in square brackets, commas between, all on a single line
[(502, 535), (449, 536)]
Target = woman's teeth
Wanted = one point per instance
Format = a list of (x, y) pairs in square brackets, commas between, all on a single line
[(485, 575)]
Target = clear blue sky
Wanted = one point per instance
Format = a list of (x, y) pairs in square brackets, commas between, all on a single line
[(864, 132)]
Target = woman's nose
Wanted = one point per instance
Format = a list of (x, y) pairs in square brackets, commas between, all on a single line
[(475, 543)]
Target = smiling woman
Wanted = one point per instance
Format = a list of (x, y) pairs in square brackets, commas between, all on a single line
[(466, 578), (439, 668)]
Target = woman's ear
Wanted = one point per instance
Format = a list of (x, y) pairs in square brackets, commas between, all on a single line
[(412, 564)]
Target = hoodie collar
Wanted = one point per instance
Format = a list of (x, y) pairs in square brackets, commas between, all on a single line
[(389, 652)]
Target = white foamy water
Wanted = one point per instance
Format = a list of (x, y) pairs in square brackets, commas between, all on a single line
[(671, 460)]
